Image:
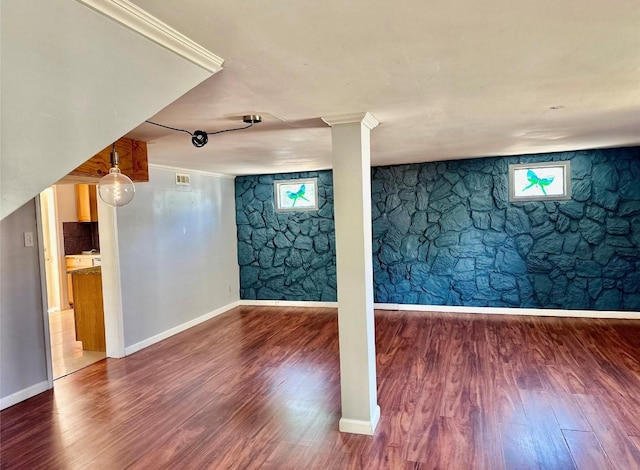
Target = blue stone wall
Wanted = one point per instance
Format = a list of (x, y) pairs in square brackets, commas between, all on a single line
[(285, 255), (445, 234)]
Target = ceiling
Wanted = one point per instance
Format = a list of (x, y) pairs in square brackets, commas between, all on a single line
[(446, 79)]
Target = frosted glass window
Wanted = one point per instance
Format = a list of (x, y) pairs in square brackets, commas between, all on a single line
[(296, 195), (540, 181)]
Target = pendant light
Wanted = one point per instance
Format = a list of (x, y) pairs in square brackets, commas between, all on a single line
[(116, 189)]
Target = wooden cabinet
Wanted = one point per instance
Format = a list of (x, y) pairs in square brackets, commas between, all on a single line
[(88, 308), (75, 262), (87, 202)]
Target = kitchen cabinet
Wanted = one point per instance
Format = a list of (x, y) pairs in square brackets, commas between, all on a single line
[(87, 202), (88, 308), (74, 262)]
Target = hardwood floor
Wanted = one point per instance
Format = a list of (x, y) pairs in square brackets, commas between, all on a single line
[(259, 388)]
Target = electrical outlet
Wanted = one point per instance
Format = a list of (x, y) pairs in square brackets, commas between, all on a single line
[(28, 238)]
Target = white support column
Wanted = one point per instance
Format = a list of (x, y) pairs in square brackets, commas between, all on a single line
[(352, 211)]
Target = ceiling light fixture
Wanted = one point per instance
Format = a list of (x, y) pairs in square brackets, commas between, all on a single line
[(200, 138), (116, 188)]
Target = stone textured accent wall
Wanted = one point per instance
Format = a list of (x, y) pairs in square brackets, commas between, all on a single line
[(285, 255), (445, 234)]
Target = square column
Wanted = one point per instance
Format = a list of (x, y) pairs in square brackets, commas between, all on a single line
[(352, 211)]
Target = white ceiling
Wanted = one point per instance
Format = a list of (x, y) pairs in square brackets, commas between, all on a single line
[(446, 78)]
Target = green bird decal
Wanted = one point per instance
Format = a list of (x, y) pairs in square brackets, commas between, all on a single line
[(540, 182), (299, 194)]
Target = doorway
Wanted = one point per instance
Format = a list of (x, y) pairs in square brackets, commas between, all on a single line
[(63, 234)]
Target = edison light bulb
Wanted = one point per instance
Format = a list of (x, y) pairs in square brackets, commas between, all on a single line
[(116, 189)]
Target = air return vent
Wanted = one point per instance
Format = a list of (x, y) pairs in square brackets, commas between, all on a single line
[(183, 180)]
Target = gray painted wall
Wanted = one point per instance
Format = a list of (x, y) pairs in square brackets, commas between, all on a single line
[(22, 347), (177, 252), (178, 262)]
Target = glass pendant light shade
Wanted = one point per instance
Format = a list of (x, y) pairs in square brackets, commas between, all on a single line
[(116, 189)]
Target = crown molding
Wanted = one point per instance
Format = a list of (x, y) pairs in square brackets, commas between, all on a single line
[(190, 171), (141, 22), (364, 118)]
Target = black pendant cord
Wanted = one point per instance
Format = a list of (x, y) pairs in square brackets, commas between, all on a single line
[(191, 133), (200, 138), (229, 130), (169, 127)]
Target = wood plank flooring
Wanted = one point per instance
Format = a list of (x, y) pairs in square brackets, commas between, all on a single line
[(259, 387)]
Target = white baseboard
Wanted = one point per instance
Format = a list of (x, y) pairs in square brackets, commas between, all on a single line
[(379, 306), (538, 312), (24, 394), (356, 426), (288, 303), (177, 329)]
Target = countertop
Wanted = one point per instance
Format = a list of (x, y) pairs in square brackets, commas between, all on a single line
[(90, 270), (85, 256)]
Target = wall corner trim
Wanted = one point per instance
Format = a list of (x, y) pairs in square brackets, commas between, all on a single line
[(141, 22), (24, 394), (357, 426), (178, 329)]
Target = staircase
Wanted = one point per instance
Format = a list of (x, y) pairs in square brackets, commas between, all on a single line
[(78, 75)]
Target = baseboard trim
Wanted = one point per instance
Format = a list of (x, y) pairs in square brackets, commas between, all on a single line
[(357, 426), (288, 303), (178, 329), (537, 312), (24, 394)]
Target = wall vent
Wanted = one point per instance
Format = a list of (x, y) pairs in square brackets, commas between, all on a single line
[(183, 180)]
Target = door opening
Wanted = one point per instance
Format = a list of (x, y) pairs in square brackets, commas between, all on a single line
[(71, 249)]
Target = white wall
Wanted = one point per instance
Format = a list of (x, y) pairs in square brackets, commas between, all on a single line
[(22, 347), (66, 211), (72, 82), (178, 251)]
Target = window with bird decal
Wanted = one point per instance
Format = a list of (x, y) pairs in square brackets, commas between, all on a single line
[(296, 195), (540, 181)]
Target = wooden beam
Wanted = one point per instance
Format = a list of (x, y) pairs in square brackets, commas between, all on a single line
[(133, 163)]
